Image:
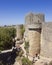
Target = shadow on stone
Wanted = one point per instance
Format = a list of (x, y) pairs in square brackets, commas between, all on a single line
[(8, 58)]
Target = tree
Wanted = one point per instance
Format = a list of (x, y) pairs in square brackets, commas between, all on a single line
[(6, 36)]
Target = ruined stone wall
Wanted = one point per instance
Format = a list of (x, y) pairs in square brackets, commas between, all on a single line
[(41, 16), (32, 18), (19, 31), (46, 40), (34, 40)]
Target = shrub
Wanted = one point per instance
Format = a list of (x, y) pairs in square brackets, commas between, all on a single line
[(20, 53), (26, 46), (26, 61)]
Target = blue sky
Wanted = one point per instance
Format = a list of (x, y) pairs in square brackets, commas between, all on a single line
[(13, 11)]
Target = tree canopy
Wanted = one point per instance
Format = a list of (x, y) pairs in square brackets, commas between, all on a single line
[(6, 37)]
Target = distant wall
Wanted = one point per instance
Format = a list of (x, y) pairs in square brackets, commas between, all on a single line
[(19, 31)]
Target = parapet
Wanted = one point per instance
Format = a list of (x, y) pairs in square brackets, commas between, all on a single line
[(32, 18), (41, 16), (35, 26)]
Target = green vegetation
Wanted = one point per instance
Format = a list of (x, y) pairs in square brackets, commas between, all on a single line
[(6, 37), (20, 53), (26, 46), (26, 61), (22, 30)]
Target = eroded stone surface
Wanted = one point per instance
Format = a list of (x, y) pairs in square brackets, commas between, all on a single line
[(46, 40)]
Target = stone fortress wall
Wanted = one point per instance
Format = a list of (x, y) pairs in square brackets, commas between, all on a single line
[(33, 27), (46, 40), (34, 40), (38, 34), (32, 19)]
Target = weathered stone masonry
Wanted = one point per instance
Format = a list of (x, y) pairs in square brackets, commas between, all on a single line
[(38, 34)]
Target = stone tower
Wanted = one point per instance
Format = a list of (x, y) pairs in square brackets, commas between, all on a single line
[(33, 23), (32, 18)]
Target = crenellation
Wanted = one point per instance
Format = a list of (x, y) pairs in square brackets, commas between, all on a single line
[(41, 16)]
